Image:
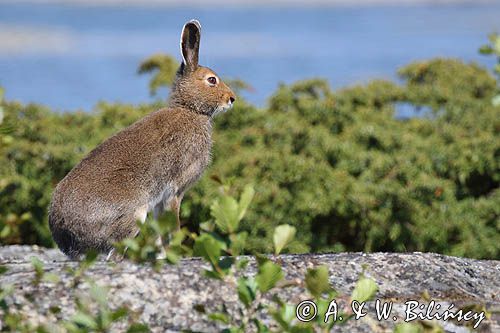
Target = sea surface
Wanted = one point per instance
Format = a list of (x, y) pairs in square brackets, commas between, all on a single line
[(69, 57)]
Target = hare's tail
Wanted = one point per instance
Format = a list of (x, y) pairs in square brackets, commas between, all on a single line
[(75, 242), (72, 245)]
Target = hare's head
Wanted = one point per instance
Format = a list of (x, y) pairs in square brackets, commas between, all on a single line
[(196, 87)]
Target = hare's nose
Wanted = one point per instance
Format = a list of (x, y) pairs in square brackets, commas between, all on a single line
[(231, 100)]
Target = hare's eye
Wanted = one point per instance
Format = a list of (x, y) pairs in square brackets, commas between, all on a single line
[(212, 80)]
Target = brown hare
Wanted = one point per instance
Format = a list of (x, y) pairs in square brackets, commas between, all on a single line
[(146, 167)]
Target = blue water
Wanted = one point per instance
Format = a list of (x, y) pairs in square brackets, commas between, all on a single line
[(69, 57)]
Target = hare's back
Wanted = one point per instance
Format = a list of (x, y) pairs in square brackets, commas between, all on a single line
[(143, 160), (115, 173)]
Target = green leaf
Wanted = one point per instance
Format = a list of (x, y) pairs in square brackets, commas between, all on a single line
[(232, 330), (238, 242), (283, 235), (213, 274), (261, 327), (208, 248), (220, 317), (138, 328), (5, 231), (486, 49), (497, 68), (246, 291), (177, 238), (119, 313), (284, 315), (240, 263), (364, 290), (261, 258), (131, 244), (91, 257), (245, 199), (323, 305), (99, 294), (302, 329), (496, 100), (496, 44), (317, 281), (55, 309), (269, 274), (51, 277), (84, 320), (172, 256), (408, 328), (207, 226), (225, 211), (199, 308), (37, 265)]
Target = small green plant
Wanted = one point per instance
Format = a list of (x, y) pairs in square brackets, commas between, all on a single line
[(220, 246), (493, 48), (11, 320), (163, 68), (419, 327), (283, 235), (93, 311), (148, 246), (78, 273), (40, 274), (94, 314), (221, 235)]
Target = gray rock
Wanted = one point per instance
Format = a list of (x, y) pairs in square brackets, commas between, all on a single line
[(165, 299)]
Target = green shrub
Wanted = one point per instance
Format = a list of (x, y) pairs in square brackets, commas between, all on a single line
[(336, 165)]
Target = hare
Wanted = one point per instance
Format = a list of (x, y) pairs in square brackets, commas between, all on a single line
[(144, 168)]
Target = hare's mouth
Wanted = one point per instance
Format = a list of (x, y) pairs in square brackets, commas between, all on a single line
[(222, 108)]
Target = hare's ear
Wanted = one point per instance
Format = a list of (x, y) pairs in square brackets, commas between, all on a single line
[(190, 44)]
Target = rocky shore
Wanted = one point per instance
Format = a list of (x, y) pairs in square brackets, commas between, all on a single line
[(165, 300)]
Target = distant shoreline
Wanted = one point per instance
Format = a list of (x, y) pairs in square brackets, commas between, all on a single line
[(243, 3)]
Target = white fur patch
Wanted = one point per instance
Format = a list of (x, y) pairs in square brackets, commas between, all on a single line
[(157, 204), (141, 213)]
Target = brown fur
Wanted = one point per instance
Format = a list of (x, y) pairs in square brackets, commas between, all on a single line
[(145, 166)]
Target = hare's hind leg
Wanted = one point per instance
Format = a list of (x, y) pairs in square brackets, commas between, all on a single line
[(175, 206), (174, 203), (127, 227), (111, 255), (163, 253), (157, 210)]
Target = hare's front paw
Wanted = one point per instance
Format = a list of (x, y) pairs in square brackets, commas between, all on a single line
[(162, 255), (114, 256)]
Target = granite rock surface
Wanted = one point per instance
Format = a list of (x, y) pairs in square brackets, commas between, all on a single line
[(165, 300)]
